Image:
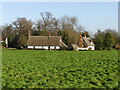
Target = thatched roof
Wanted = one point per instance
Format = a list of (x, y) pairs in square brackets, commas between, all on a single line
[(45, 41)]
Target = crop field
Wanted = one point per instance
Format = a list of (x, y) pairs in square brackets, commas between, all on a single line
[(59, 69)]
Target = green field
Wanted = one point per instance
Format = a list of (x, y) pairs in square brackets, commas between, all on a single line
[(59, 69)]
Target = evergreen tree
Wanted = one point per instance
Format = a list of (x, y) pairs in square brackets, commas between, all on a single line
[(98, 40), (64, 35), (109, 41), (99, 43)]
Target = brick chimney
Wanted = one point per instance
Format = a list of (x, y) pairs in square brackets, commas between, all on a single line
[(29, 33), (80, 42), (85, 34), (49, 33)]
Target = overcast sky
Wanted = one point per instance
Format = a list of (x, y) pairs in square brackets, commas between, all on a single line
[(91, 15)]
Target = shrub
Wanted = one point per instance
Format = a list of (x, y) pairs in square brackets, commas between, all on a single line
[(63, 48), (3, 44), (89, 48), (19, 47)]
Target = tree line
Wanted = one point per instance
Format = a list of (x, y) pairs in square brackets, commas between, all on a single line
[(107, 39), (67, 27)]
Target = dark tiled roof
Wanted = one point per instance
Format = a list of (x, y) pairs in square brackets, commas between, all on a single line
[(88, 41), (45, 41)]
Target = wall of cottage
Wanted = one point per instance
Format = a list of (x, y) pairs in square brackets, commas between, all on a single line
[(43, 47), (92, 47), (87, 48)]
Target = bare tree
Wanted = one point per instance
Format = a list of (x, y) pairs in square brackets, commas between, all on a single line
[(22, 25), (47, 23), (70, 24)]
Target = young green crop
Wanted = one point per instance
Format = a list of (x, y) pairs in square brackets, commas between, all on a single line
[(59, 69)]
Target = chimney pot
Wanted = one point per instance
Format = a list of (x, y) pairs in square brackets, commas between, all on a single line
[(84, 34), (80, 40)]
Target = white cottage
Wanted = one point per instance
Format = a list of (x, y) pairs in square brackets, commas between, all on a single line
[(45, 42), (84, 43)]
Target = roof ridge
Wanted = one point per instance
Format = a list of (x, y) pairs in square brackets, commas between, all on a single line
[(45, 36)]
